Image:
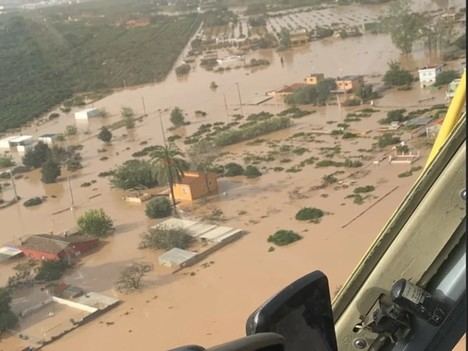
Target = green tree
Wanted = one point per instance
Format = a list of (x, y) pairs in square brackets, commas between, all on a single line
[(165, 238), (252, 172), (405, 26), (51, 270), (129, 117), (36, 156), (177, 117), (310, 214), (96, 223), (446, 77), (71, 130), (105, 135), (323, 89), (303, 96), (366, 92), (7, 318), (131, 277), (396, 76), (170, 166), (284, 237), (159, 207), (134, 174), (50, 171)]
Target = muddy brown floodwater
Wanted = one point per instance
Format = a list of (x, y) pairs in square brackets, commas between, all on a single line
[(211, 305)]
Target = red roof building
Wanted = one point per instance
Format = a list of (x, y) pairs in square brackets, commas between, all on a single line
[(55, 247)]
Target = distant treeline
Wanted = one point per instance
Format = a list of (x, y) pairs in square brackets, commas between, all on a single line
[(46, 56)]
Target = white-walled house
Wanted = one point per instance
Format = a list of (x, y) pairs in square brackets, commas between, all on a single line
[(88, 113), (48, 139), (428, 75)]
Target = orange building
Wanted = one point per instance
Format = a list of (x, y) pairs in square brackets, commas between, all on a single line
[(314, 79), (196, 185), (349, 83)]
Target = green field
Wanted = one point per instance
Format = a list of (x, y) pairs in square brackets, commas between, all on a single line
[(46, 56)]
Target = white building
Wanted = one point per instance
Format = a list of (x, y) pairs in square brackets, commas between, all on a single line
[(22, 143), (88, 113), (428, 75), (48, 139), (5, 142)]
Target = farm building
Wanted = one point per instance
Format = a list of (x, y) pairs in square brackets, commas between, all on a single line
[(314, 79), (88, 113), (195, 185), (203, 231), (428, 75), (299, 37), (5, 142), (175, 257), (55, 247), (48, 139), (348, 83)]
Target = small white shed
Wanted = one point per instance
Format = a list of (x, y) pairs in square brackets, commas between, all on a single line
[(175, 257), (88, 113), (48, 139)]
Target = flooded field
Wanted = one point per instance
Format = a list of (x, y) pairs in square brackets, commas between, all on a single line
[(208, 304)]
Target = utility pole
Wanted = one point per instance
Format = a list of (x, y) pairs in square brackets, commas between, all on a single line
[(71, 194), (226, 107), (13, 184), (144, 106), (240, 98), (162, 127)]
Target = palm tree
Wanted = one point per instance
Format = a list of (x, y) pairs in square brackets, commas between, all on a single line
[(170, 166)]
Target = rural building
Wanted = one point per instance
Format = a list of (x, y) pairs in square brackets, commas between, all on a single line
[(428, 75), (88, 113), (55, 247), (48, 139), (452, 87), (299, 37), (5, 142), (314, 79), (175, 257), (195, 185), (348, 83), (209, 59), (203, 231)]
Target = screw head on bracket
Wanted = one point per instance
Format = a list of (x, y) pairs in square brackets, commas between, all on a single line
[(463, 194), (360, 344)]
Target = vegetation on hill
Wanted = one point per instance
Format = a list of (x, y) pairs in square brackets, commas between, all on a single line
[(52, 54)]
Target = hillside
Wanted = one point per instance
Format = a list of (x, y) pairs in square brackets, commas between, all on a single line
[(48, 55)]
